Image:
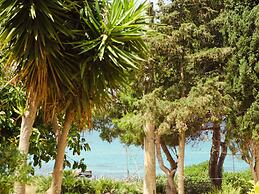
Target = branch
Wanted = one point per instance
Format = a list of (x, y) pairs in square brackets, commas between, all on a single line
[(168, 155)]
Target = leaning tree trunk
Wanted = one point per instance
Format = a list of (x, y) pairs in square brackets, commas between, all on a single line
[(216, 158), (28, 119), (170, 173), (59, 160), (149, 159), (181, 162)]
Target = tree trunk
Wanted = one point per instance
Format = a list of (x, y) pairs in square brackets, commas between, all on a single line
[(149, 159), (28, 119), (181, 162), (56, 128), (256, 158), (214, 156), (221, 162), (170, 187), (59, 160)]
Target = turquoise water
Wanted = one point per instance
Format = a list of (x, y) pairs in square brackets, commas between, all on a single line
[(116, 161)]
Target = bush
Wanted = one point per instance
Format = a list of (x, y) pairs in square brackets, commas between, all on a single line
[(161, 182), (198, 185), (227, 189), (239, 179), (11, 162), (43, 183), (255, 188), (72, 184), (197, 182), (197, 179)]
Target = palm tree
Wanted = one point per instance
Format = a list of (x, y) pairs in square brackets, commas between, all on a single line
[(64, 77), (110, 44), (30, 37)]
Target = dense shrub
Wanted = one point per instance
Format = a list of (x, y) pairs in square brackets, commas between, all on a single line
[(43, 183), (239, 179), (161, 182), (227, 189), (198, 185), (72, 184), (11, 162), (197, 182)]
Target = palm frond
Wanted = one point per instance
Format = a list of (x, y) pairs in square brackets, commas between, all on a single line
[(111, 45), (31, 32)]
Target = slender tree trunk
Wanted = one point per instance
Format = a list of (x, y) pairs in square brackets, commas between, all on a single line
[(256, 158), (56, 128), (28, 119), (214, 156), (221, 162), (170, 187), (149, 159), (59, 160), (250, 159), (181, 162)]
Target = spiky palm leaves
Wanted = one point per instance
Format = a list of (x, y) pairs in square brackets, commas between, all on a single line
[(111, 44), (30, 32), (53, 65)]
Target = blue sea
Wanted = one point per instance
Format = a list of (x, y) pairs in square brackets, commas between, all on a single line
[(115, 160)]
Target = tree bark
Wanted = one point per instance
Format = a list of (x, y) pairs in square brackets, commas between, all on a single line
[(28, 119), (170, 187), (181, 162), (149, 159), (221, 162), (59, 160), (216, 158), (56, 128), (256, 158)]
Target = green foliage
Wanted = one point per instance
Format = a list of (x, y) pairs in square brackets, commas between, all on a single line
[(43, 142), (227, 189), (73, 184), (197, 169), (42, 182), (31, 35), (197, 182), (182, 81), (255, 189), (197, 179), (161, 182), (110, 45), (12, 101), (240, 31), (11, 161), (238, 180), (197, 185)]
